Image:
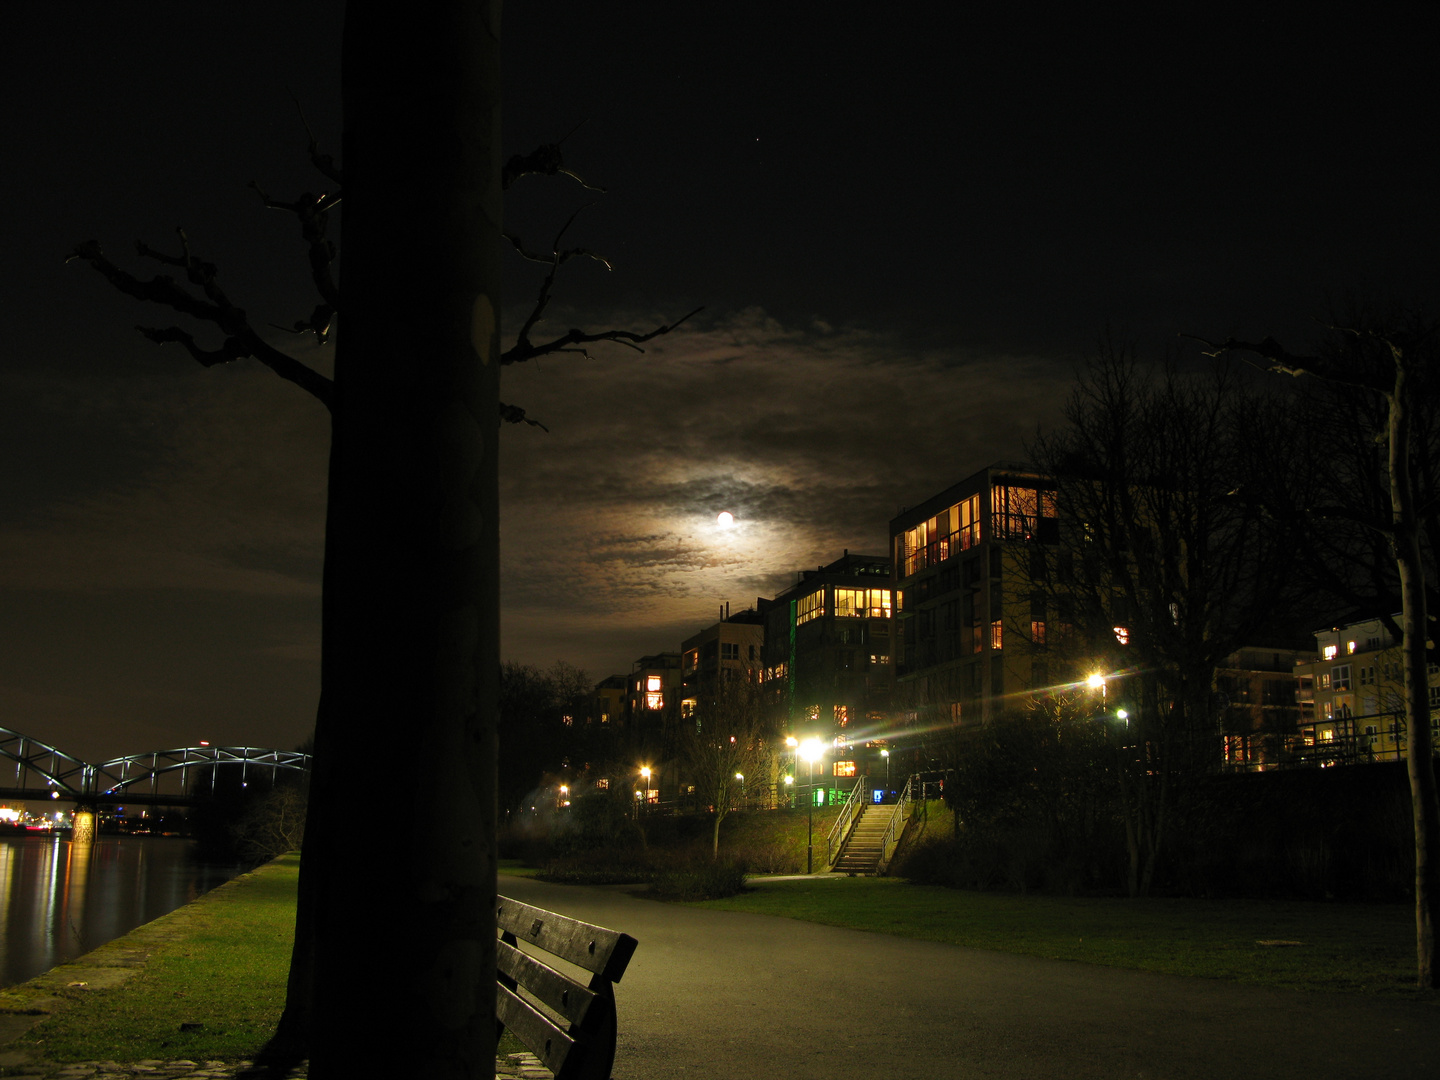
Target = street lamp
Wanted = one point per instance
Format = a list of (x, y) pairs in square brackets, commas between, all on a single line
[(886, 755), (810, 749)]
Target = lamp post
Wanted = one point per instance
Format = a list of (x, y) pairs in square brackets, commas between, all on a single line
[(810, 749), (886, 755)]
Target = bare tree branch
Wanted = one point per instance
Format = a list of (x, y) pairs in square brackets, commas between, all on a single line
[(324, 164), (241, 340), (523, 351), (313, 213), (1284, 362), (543, 161), (513, 414)]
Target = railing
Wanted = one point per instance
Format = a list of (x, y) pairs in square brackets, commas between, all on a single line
[(841, 828), (898, 817)]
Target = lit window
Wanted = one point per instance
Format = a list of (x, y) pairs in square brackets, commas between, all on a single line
[(997, 639), (941, 537), (810, 607), (1016, 511), (1350, 647), (652, 683), (1330, 651), (842, 714), (860, 603), (687, 707), (1122, 634), (1037, 631), (654, 701), (844, 768)]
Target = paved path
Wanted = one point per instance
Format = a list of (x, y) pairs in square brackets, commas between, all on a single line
[(716, 995)]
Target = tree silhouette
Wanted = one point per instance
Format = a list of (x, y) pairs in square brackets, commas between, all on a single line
[(393, 969), (726, 741), (1169, 558), (1391, 363)]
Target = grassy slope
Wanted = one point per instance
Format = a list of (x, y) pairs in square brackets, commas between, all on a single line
[(1365, 948)]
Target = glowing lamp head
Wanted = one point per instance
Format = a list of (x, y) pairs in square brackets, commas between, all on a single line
[(1096, 681), (811, 749)]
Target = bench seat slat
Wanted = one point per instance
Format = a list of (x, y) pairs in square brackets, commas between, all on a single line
[(558, 991), (536, 1030), (604, 952)]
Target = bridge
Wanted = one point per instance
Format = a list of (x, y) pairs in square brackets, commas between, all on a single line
[(45, 772)]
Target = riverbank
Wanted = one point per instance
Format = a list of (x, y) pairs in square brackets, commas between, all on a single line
[(192, 995), (203, 984), (60, 900)]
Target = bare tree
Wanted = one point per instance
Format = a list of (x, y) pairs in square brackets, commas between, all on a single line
[(1169, 558), (1393, 363), (410, 610), (726, 741)]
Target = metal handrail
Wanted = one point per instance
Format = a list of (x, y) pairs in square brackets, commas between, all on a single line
[(841, 828), (898, 817)]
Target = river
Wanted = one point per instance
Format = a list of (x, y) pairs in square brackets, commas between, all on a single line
[(58, 900)]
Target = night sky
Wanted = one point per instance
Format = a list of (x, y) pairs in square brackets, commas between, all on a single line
[(906, 225)]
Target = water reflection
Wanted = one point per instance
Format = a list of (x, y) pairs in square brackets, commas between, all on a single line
[(59, 900)]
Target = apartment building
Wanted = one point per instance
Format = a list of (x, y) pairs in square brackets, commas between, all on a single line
[(973, 630), (829, 661)]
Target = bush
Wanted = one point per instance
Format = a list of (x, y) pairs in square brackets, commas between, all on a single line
[(598, 866), (699, 879)]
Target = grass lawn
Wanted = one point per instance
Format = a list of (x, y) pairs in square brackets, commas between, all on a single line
[(1352, 948), (220, 962)]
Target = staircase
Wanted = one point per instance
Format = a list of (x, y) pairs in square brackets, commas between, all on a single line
[(865, 845)]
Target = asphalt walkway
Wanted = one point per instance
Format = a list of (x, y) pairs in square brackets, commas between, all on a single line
[(717, 994)]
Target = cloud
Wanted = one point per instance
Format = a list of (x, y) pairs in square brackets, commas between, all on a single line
[(207, 480), (812, 437)]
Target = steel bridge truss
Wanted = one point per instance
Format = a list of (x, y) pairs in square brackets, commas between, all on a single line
[(82, 781)]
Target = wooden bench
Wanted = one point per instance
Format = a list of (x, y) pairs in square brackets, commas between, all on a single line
[(574, 1034)]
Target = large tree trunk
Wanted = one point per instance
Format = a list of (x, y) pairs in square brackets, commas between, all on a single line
[(1420, 764), (398, 877)]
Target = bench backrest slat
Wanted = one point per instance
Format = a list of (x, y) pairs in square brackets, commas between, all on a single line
[(604, 952), (554, 989), (536, 1030)]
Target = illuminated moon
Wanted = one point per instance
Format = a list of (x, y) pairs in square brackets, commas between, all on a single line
[(725, 519)]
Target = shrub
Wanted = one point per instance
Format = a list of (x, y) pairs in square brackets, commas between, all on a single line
[(598, 866), (699, 879)]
